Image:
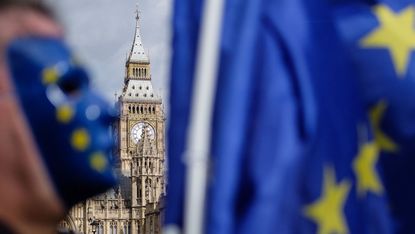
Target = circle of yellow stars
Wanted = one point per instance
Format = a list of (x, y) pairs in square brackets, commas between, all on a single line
[(396, 33), (80, 138), (327, 211)]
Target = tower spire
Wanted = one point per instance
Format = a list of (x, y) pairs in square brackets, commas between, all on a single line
[(137, 12), (137, 52), (137, 78)]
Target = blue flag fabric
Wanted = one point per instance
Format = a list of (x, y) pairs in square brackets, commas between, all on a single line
[(292, 147), (186, 27), (379, 37), (69, 121)]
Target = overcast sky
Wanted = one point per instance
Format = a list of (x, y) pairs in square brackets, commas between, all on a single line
[(102, 31)]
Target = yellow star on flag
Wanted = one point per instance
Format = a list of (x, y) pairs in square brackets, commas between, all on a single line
[(382, 140), (64, 113), (395, 33), (99, 162), (80, 139), (365, 168), (50, 76), (327, 211)]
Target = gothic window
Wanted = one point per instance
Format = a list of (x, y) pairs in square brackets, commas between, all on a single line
[(139, 72), (133, 110), (129, 109), (100, 229), (142, 110), (145, 72), (113, 228), (126, 228), (154, 109), (151, 226), (147, 190)]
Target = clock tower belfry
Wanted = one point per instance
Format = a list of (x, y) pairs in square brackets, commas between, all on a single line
[(141, 134)]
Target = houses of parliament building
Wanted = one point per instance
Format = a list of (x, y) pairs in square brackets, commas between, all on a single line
[(137, 204)]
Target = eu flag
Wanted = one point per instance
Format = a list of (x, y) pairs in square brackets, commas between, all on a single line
[(75, 147), (292, 148), (380, 38)]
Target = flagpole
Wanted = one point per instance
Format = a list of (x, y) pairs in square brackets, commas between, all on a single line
[(199, 135)]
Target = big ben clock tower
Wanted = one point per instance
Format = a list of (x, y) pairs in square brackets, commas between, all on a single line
[(141, 133), (136, 205)]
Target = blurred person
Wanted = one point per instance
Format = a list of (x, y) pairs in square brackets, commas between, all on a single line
[(52, 154), (28, 202)]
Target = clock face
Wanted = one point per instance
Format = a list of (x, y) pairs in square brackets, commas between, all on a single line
[(137, 131)]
